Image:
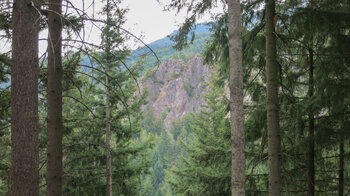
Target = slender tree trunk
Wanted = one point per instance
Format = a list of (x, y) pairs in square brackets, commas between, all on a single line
[(273, 129), (24, 99), (341, 165), (311, 153), (108, 138), (236, 96), (108, 107), (54, 101), (311, 146)]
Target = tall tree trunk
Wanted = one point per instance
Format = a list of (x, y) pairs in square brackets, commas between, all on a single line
[(341, 165), (108, 103), (273, 129), (54, 101), (24, 99), (236, 96), (108, 138), (311, 153)]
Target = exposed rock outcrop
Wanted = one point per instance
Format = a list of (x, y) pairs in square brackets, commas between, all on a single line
[(176, 89)]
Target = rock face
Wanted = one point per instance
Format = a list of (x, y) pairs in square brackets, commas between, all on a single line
[(176, 89)]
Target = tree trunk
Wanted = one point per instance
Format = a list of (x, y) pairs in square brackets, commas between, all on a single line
[(108, 107), (236, 96), (341, 165), (54, 101), (311, 153), (24, 99), (108, 138), (273, 129)]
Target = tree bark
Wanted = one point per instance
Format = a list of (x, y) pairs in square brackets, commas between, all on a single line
[(236, 96), (54, 101), (24, 99), (311, 153), (273, 129)]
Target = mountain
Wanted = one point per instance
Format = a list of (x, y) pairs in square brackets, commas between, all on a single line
[(164, 50), (201, 29), (176, 89), (176, 86)]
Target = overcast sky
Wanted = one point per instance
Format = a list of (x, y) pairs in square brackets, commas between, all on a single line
[(147, 17)]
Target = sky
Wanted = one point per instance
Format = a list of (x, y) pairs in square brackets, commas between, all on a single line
[(149, 18), (145, 19)]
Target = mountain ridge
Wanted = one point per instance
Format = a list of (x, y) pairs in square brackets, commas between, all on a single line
[(165, 51)]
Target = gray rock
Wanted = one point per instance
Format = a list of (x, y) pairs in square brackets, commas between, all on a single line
[(177, 88)]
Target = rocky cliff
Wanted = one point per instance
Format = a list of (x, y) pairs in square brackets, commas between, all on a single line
[(176, 89)]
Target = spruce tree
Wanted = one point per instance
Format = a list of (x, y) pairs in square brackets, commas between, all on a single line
[(107, 35)]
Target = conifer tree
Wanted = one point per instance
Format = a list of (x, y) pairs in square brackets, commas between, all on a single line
[(235, 81), (85, 164), (86, 139), (107, 49), (205, 170), (309, 36)]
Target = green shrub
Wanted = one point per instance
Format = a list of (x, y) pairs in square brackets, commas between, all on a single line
[(188, 88)]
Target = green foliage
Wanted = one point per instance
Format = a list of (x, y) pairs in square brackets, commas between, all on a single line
[(151, 124), (176, 130), (154, 97), (165, 51), (193, 157), (161, 159), (205, 169), (188, 88), (161, 156), (302, 26), (5, 136), (84, 137), (151, 73), (5, 22), (174, 75), (4, 68)]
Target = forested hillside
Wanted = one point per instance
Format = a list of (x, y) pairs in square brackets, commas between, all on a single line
[(255, 101), (165, 50), (175, 91)]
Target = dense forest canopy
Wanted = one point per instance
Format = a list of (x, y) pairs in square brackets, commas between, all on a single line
[(254, 101)]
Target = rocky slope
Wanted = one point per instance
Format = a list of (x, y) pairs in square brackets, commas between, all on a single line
[(176, 89)]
